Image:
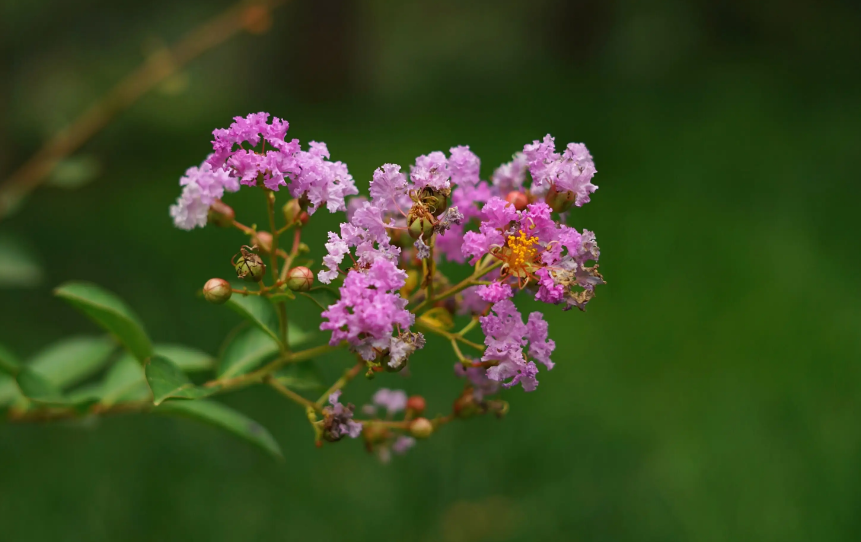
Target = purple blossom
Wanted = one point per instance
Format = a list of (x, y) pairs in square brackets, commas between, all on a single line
[(393, 401), (201, 187), (572, 171), (369, 309), (431, 171), (463, 166), (510, 177), (310, 172), (495, 291), (402, 444), (338, 420), (505, 336)]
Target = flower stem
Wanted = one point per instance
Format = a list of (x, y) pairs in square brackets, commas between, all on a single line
[(282, 307), (448, 335), (349, 375), (462, 285), (288, 393)]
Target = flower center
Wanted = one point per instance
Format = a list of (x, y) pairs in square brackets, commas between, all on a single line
[(523, 250)]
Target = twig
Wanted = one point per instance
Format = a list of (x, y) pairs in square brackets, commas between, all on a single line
[(157, 68)]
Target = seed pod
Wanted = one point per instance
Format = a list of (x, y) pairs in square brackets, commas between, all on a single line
[(217, 291), (559, 201), (300, 279), (436, 201), (420, 226), (250, 267), (292, 209), (518, 199), (416, 403), (263, 239), (220, 214), (421, 428)]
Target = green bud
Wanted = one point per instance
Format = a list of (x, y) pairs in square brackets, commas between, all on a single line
[(421, 428), (420, 226), (217, 291), (303, 249), (559, 201), (292, 209), (300, 279), (220, 214), (250, 267)]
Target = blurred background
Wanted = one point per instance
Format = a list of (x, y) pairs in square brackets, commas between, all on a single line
[(711, 391)]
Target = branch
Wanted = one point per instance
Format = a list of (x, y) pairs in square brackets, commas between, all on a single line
[(248, 15)]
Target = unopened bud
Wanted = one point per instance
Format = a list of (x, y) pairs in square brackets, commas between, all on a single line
[(518, 199), (220, 214), (416, 403), (420, 226), (559, 201), (217, 291), (250, 267), (263, 239), (304, 218), (421, 428), (303, 249), (300, 279), (292, 209)]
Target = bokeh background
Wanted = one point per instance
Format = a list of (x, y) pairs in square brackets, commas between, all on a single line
[(711, 392)]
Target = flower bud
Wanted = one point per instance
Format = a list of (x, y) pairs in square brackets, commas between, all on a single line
[(303, 248), (263, 239), (421, 428), (250, 267), (518, 199), (399, 238), (420, 226), (559, 201), (304, 217), (217, 291), (300, 279), (416, 403), (292, 209), (220, 214), (436, 201)]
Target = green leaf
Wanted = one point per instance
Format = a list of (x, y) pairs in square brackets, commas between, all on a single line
[(286, 295), (37, 388), (9, 362), (72, 360), (258, 311), (86, 395), (248, 349), (110, 312), (9, 392), (296, 336), (167, 381), (321, 296), (225, 418), (125, 381), (19, 267), (190, 360)]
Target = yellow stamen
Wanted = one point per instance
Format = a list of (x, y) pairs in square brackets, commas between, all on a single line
[(522, 250)]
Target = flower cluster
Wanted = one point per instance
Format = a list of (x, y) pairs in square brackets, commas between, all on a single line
[(311, 175), (384, 264)]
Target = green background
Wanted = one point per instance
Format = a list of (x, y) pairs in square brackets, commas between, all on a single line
[(711, 391)]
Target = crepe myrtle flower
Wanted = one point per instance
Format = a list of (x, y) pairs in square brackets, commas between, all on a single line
[(338, 420), (506, 335), (310, 173), (384, 261)]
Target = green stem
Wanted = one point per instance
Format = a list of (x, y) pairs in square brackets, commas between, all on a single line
[(282, 307), (462, 285), (349, 375), (448, 335), (271, 367), (288, 393)]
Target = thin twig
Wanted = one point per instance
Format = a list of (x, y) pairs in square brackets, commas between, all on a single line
[(158, 67)]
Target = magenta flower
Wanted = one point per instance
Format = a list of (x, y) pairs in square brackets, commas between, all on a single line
[(338, 420), (202, 186), (393, 401), (505, 336)]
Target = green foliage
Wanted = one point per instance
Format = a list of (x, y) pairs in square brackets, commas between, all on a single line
[(245, 351), (167, 381), (257, 311), (111, 313), (19, 267), (225, 418), (71, 360), (190, 360), (38, 388), (125, 381), (9, 362)]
